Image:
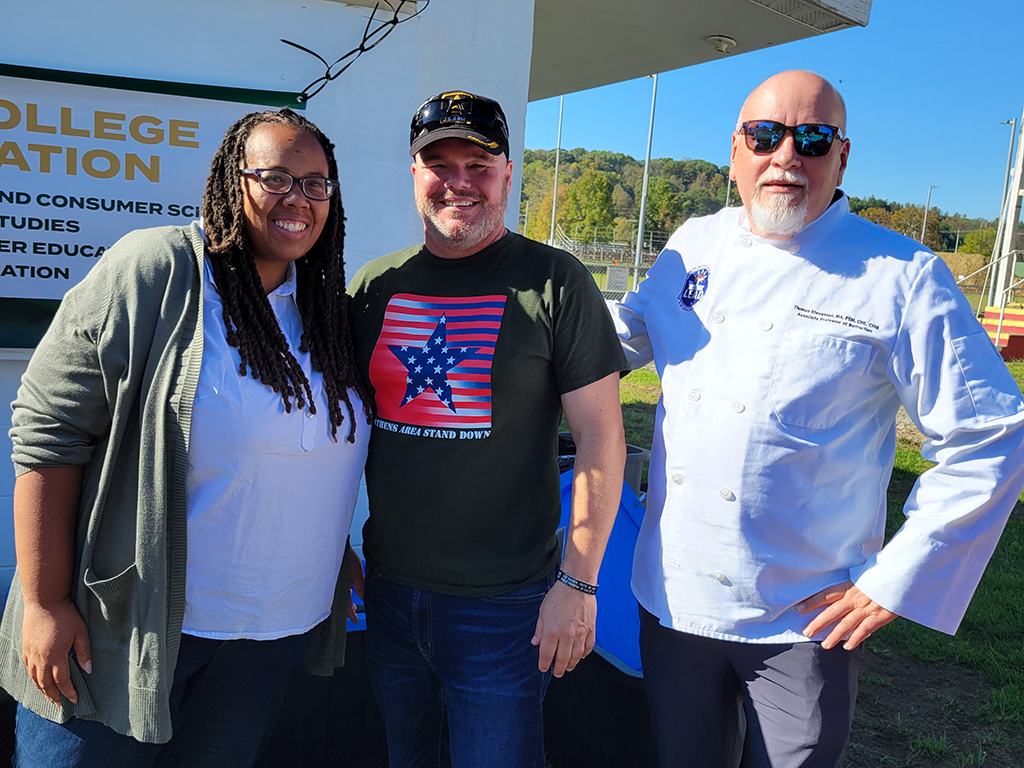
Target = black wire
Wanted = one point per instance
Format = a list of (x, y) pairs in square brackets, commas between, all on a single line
[(380, 32)]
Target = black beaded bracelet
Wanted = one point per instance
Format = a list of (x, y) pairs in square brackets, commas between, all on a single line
[(572, 581)]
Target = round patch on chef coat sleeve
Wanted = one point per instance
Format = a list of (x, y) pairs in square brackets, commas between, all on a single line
[(695, 288)]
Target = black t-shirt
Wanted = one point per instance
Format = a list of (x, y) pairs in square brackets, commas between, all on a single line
[(466, 360)]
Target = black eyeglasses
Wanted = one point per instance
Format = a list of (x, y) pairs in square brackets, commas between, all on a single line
[(280, 183), (458, 109), (809, 139)]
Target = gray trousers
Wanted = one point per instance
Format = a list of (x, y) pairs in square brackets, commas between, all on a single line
[(721, 704)]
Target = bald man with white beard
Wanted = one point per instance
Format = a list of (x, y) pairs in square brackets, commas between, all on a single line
[(787, 334)]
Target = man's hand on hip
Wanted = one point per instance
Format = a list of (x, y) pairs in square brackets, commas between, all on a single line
[(856, 613), (565, 628)]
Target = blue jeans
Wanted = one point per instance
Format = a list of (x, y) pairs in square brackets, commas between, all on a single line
[(434, 656), (225, 699)]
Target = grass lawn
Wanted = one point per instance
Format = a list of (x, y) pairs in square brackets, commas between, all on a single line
[(973, 299), (639, 393), (925, 699)]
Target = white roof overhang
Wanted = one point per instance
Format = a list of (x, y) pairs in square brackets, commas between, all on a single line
[(581, 44)]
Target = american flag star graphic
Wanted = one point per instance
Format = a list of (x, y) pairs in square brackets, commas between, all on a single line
[(431, 364), (428, 366)]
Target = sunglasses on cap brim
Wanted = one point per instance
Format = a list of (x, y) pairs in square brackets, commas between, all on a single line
[(462, 110), (809, 139)]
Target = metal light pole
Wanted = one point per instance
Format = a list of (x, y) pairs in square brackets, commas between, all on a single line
[(643, 194), (558, 152), (1009, 157), (1011, 216), (1001, 226), (926, 206)]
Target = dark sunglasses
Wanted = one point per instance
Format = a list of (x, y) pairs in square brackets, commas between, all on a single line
[(461, 109), (809, 139)]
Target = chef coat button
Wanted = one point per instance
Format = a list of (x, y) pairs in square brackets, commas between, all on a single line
[(677, 479), (718, 317), (765, 325), (745, 241), (694, 396), (794, 249), (719, 577), (726, 494), (739, 407)]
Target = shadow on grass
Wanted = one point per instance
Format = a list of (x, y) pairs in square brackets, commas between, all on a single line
[(930, 699)]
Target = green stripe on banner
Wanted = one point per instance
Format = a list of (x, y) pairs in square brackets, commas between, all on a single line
[(190, 90)]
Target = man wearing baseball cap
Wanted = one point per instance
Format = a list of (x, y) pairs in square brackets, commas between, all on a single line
[(473, 344)]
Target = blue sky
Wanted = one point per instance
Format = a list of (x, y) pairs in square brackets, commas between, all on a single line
[(926, 86)]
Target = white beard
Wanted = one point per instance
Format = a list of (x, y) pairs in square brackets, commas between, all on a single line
[(779, 218)]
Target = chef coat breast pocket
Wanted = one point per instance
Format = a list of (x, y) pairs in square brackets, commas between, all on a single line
[(818, 379)]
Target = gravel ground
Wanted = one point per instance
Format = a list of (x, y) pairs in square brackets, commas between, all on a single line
[(906, 431)]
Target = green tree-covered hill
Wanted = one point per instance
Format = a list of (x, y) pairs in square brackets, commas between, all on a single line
[(599, 199)]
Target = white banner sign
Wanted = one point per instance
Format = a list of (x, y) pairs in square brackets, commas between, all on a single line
[(80, 166)]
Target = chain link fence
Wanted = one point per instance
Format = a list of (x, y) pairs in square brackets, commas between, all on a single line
[(613, 264)]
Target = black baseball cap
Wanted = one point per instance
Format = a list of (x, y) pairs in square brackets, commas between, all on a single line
[(460, 115)]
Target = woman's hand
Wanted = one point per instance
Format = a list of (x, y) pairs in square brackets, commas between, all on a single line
[(45, 505), (48, 634), (355, 567)]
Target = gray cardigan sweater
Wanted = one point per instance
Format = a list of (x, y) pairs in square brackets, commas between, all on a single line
[(111, 388)]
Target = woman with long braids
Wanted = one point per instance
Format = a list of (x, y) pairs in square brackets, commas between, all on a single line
[(188, 439)]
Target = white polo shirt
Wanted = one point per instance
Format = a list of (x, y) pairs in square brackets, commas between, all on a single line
[(783, 364), (270, 494)]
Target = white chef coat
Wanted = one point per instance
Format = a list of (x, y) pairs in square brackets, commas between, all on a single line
[(775, 434), (270, 495)]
